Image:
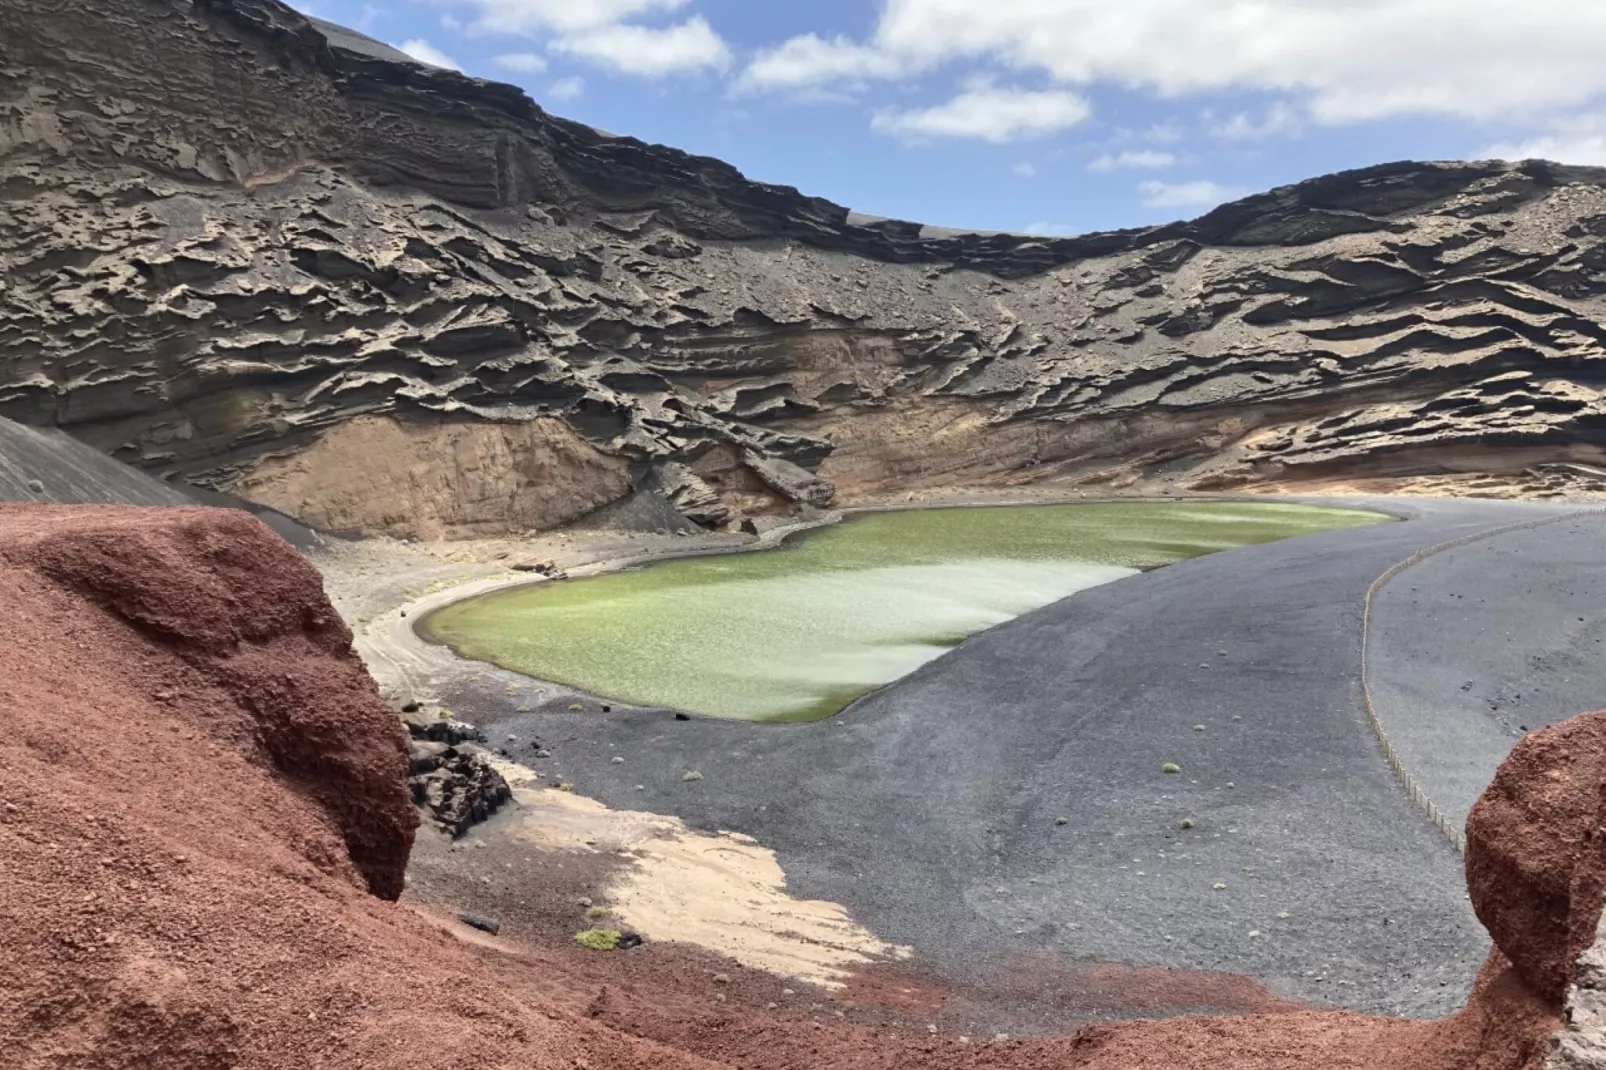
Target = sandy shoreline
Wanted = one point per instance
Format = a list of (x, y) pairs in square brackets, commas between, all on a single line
[(822, 845), (723, 892)]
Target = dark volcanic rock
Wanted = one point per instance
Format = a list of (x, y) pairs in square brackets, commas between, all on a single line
[(449, 775), (268, 256)]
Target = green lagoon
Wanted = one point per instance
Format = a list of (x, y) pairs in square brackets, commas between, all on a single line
[(796, 633)]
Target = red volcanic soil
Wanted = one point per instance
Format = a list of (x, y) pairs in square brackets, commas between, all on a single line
[(203, 824)]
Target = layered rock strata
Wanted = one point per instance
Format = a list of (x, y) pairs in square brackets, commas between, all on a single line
[(263, 255)]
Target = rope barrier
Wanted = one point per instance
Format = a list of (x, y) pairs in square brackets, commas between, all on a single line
[(1450, 829)]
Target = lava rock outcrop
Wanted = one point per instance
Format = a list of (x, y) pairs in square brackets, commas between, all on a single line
[(249, 253), (450, 775)]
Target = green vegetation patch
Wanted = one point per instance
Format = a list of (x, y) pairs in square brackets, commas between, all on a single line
[(598, 939)]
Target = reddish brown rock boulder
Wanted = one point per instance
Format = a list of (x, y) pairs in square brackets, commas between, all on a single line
[(1536, 853), (230, 600)]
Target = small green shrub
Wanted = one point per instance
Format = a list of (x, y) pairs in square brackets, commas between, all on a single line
[(598, 939), (596, 912)]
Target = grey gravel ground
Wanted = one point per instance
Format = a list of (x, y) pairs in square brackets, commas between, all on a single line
[(932, 808), (1480, 643)]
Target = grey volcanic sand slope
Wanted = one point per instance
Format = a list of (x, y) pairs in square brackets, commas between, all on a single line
[(1478, 643), (930, 808), (47, 465), (50, 466)]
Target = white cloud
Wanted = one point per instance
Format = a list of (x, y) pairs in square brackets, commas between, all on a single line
[(1142, 159), (1050, 230), (602, 31), (810, 61), (1025, 169), (558, 16), (522, 62), (1167, 133), (566, 89), (1345, 60), (424, 52), (1200, 194), (1280, 119), (988, 113), (1577, 140), (650, 52)]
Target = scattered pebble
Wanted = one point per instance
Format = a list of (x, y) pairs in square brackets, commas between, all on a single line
[(722, 978), (1186, 823), (691, 775), (1171, 767), (618, 760), (1062, 821), (1219, 886)]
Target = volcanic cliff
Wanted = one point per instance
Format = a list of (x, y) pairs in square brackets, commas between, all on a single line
[(266, 256)]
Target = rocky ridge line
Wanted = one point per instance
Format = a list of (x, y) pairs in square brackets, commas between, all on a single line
[(234, 254)]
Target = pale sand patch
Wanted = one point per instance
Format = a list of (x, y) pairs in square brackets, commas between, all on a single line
[(725, 893)]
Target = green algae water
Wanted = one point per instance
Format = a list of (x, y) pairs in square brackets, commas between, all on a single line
[(796, 633)]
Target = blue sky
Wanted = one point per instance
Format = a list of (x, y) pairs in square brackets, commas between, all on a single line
[(1055, 116)]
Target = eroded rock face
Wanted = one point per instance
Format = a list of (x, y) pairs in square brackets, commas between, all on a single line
[(1581, 1045), (1536, 852), (228, 236), (373, 474), (235, 641)]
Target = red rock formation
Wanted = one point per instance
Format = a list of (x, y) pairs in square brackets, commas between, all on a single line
[(1536, 851), (199, 787), (248, 618)]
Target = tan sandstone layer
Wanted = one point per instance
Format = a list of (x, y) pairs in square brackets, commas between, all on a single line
[(373, 475)]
